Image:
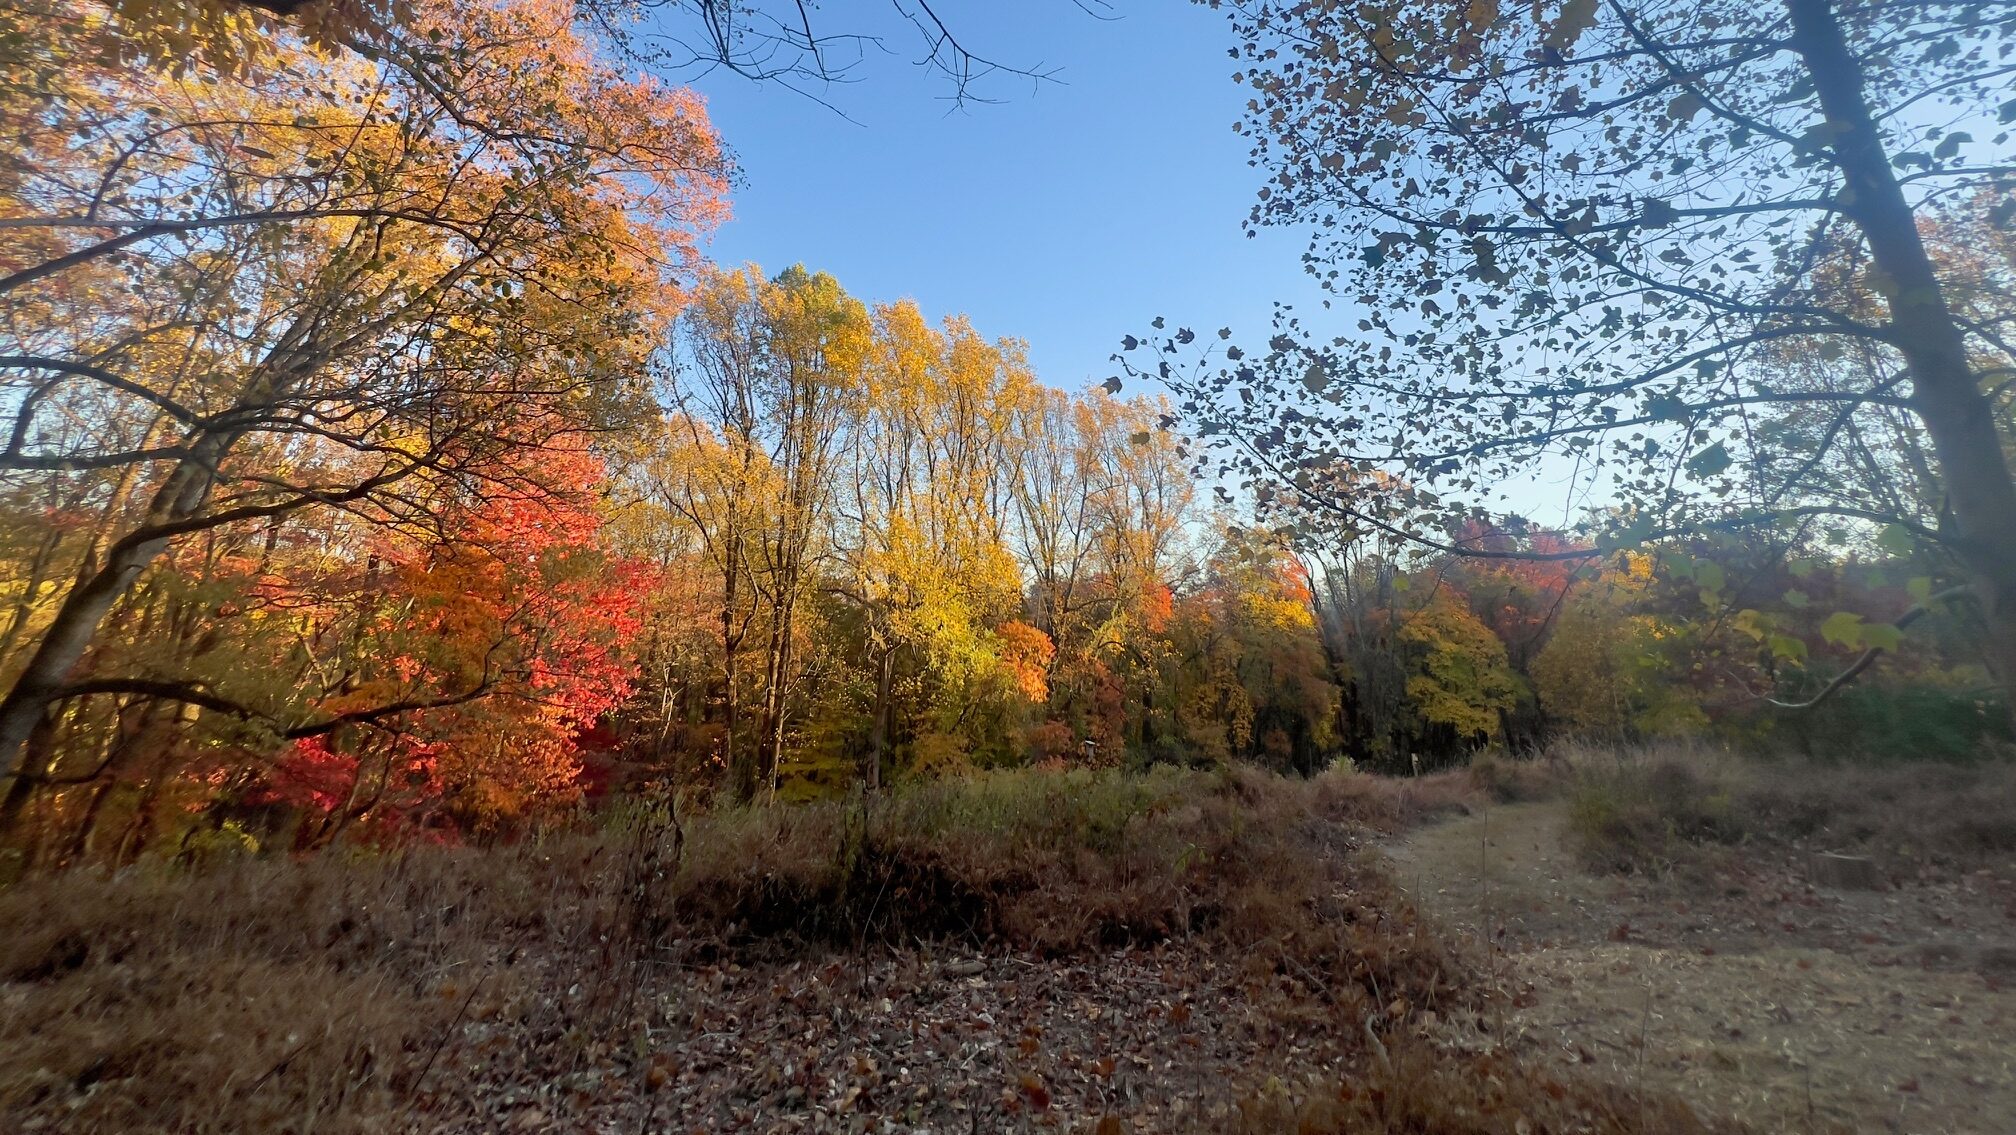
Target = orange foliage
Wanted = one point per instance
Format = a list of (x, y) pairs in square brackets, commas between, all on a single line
[(1027, 652)]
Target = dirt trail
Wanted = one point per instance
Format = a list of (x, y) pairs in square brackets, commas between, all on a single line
[(1748, 993)]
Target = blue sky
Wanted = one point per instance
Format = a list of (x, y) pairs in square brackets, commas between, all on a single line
[(1067, 213)]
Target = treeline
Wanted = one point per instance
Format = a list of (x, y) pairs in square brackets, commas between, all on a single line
[(838, 544), (884, 549), (841, 545), (1745, 641), (380, 462)]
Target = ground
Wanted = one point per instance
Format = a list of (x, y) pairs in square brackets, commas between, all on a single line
[(1161, 1040), (1218, 951), (1742, 989)]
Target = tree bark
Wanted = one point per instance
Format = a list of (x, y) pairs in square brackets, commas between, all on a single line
[(878, 728), (183, 493), (741, 768), (1945, 392)]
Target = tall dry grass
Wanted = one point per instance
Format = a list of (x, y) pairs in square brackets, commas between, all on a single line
[(278, 994), (1658, 808)]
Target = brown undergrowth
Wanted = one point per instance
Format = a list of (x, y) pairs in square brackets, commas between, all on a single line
[(1683, 809), (287, 995), (1418, 1088)]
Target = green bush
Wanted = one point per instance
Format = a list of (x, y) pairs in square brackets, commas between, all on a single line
[(1883, 724)]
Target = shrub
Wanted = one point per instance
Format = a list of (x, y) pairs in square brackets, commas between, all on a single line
[(1510, 781), (1651, 811), (1888, 724), (1642, 815)]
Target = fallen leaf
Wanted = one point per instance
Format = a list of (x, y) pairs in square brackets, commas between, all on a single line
[(1036, 1093)]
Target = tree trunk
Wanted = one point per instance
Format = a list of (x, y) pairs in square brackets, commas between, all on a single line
[(878, 728), (80, 840), (741, 766), (38, 759), (1945, 392), (70, 633), (773, 760), (777, 684)]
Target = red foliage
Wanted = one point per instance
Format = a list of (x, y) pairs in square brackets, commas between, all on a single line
[(512, 629)]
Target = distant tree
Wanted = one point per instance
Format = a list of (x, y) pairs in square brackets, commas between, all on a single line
[(1579, 229), (770, 375), (1457, 675), (925, 508), (1608, 667)]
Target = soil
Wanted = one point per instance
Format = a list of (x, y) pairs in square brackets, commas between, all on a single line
[(1737, 984)]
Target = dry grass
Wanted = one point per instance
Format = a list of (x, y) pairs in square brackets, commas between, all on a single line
[(281, 995), (260, 995), (1420, 1090), (1673, 807), (1391, 805), (274, 994)]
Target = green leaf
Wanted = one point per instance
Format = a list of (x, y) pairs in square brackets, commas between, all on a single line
[(1842, 628), (1882, 636), (1919, 588), (1710, 575), (1629, 536), (1896, 540), (1751, 622), (1787, 647), (1710, 461), (1797, 599)]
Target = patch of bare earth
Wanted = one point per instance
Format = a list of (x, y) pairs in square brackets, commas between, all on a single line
[(1744, 989)]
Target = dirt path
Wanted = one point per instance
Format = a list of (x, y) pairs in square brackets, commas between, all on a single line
[(1747, 992)]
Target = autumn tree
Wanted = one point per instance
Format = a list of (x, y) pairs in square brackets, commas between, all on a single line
[(769, 381), (1575, 230), (927, 514), (509, 634), (1101, 494), (787, 43), (1609, 666), (327, 286), (1246, 675)]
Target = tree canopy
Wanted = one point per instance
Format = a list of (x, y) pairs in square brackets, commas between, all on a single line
[(1694, 250)]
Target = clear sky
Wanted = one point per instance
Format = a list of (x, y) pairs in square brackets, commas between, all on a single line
[(1068, 213)]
